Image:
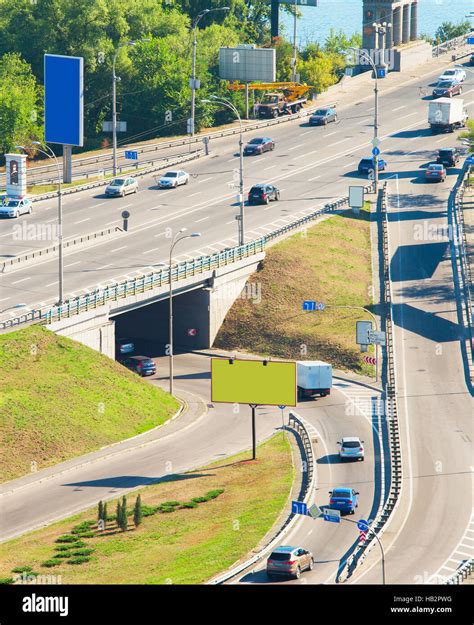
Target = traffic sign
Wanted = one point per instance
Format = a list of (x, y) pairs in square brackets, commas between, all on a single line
[(131, 154), (370, 360), (376, 337), (470, 160), (363, 525), (362, 330), (299, 507), (314, 511), (470, 41), (313, 305), (362, 538), (376, 142), (334, 516), (375, 151), (192, 332), (282, 407)]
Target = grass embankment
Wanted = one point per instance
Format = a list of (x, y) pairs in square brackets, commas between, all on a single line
[(185, 546), (329, 263), (60, 399)]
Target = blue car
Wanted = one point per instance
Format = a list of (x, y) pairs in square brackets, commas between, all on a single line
[(344, 499), (367, 165)]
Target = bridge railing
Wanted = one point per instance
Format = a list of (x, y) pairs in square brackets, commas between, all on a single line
[(452, 44)]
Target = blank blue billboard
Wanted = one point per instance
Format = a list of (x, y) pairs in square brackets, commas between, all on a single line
[(63, 99)]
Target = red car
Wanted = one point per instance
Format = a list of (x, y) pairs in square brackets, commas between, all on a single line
[(447, 89), (435, 172)]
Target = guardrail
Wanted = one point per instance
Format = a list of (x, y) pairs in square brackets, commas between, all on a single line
[(309, 477), (452, 44), (462, 573), (182, 271), (387, 508)]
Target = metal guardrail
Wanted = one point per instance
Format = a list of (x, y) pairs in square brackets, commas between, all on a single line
[(152, 280), (462, 573), (448, 46), (308, 487)]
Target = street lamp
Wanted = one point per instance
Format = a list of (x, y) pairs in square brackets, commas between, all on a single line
[(229, 105), (295, 12), (375, 143), (193, 79), (176, 239), (115, 79), (52, 155)]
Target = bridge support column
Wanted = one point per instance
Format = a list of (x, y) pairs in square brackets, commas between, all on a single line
[(414, 22), (397, 26), (406, 24)]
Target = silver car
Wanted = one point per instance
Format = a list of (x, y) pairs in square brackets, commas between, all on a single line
[(120, 187), (351, 448)]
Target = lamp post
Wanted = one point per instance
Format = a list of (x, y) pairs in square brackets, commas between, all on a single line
[(176, 239), (295, 8), (52, 155), (115, 79), (229, 105), (366, 56), (193, 78)]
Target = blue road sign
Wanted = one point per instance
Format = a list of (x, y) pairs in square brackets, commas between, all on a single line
[(312, 305), (282, 407), (375, 151), (131, 154), (470, 160), (470, 41), (363, 525), (334, 516), (63, 99), (299, 507)]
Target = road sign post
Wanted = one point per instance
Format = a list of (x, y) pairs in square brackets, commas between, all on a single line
[(333, 516), (299, 507), (131, 155)]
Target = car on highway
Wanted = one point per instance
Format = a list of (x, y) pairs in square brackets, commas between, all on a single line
[(453, 73), (367, 165), (447, 89), (323, 116), (124, 346), (259, 145), (263, 194), (449, 157), (344, 499), (289, 561), (173, 178), (15, 207), (141, 365), (351, 448), (120, 187), (435, 172)]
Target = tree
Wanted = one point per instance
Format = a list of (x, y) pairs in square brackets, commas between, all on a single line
[(100, 511), (137, 512), (118, 513), (104, 513), (449, 30), (123, 524), (468, 135)]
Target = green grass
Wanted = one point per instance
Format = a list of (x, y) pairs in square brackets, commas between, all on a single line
[(186, 546), (331, 263), (60, 399)]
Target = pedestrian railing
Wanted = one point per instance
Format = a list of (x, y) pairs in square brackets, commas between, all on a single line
[(452, 44), (463, 572)]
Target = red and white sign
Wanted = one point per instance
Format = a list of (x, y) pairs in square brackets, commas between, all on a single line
[(362, 538), (192, 332), (370, 360)]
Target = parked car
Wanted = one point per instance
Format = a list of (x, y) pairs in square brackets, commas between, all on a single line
[(351, 448), (120, 187), (447, 89), (449, 157), (263, 194), (173, 179), (367, 165), (124, 346), (322, 117), (15, 207), (435, 172), (141, 365), (455, 73), (289, 561), (344, 499), (259, 145)]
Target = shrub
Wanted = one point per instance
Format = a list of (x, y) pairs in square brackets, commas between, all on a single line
[(6, 580), (83, 552), (86, 535), (149, 510), (200, 499), (212, 494), (49, 563), (189, 504), (82, 527), (76, 545), (166, 509), (67, 538), (63, 554), (22, 569), (79, 560), (171, 503)]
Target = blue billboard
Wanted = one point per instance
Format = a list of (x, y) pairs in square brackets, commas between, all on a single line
[(63, 99)]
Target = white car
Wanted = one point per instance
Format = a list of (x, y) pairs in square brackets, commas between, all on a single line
[(15, 207), (453, 74), (173, 179), (120, 187), (351, 447)]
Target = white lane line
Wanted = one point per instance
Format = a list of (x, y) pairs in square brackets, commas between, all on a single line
[(349, 165), (7, 234), (4, 299), (52, 283), (204, 180), (227, 223), (307, 132), (334, 132), (267, 168), (443, 139), (257, 160), (109, 223), (82, 221), (125, 206), (313, 178), (117, 249), (372, 108), (96, 205), (231, 160), (399, 108), (154, 249), (197, 193), (160, 234), (341, 141), (409, 115), (22, 280), (203, 219), (71, 264), (305, 155), (295, 147)]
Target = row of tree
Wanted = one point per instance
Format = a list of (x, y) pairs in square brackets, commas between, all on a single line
[(121, 513)]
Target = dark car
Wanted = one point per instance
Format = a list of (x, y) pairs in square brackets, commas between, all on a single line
[(263, 194), (447, 89), (124, 346), (367, 165), (471, 60), (435, 173), (141, 365), (322, 117), (259, 145), (449, 157)]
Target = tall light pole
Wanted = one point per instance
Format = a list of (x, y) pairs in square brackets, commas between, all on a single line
[(115, 79), (193, 78), (363, 54), (50, 154), (229, 105), (293, 73), (176, 239)]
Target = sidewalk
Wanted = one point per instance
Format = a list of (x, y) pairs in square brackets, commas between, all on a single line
[(193, 410), (468, 214)]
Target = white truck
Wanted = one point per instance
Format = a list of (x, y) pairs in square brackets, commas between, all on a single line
[(446, 115), (314, 377)]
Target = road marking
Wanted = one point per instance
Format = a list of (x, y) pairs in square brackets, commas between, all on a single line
[(52, 283), (313, 178), (341, 141), (307, 132), (82, 221), (125, 206), (160, 234), (409, 115), (117, 249), (205, 180), (96, 205), (22, 280), (305, 155), (71, 264), (197, 193), (334, 132), (271, 167), (203, 219), (152, 250), (227, 223), (349, 165), (111, 222), (4, 299), (295, 147), (399, 108), (443, 139)]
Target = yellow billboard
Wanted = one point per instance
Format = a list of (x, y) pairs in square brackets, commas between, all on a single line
[(263, 383)]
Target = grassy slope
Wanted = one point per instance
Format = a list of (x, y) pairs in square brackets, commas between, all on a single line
[(59, 399), (187, 546), (331, 264)]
